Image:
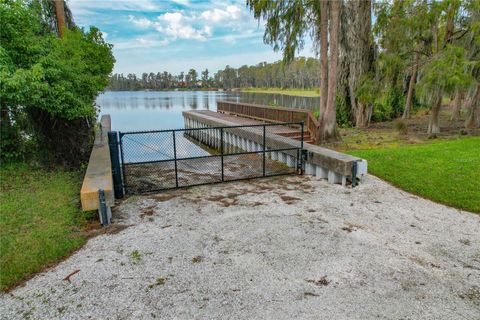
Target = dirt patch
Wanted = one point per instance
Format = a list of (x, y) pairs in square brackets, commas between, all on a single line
[(161, 197), (472, 294), (289, 199), (197, 259), (148, 213), (320, 282)]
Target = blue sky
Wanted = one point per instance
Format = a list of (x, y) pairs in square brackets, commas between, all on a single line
[(176, 35)]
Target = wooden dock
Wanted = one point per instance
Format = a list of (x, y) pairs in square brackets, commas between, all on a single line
[(284, 131), (320, 162)]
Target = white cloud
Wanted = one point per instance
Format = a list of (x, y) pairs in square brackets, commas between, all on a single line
[(218, 15), (194, 25), (141, 22), (182, 2), (174, 25), (141, 42), (125, 5)]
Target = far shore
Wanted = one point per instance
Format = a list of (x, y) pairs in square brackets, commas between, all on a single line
[(289, 92)]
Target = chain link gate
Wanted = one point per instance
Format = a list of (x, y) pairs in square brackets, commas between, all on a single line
[(167, 159)]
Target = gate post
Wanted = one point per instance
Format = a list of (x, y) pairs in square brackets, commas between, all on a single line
[(221, 153), (115, 160)]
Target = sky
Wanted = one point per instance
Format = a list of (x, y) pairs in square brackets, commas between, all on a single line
[(176, 35)]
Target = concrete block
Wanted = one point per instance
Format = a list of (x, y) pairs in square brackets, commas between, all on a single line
[(334, 177), (310, 169), (274, 155), (321, 173), (291, 161)]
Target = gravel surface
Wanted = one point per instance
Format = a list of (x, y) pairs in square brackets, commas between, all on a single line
[(283, 248)]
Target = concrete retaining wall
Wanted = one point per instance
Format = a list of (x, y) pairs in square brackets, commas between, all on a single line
[(99, 171)]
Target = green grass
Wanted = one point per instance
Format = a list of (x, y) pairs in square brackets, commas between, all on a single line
[(290, 92), (445, 171), (40, 220)]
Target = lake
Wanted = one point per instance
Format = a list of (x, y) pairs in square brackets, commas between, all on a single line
[(158, 110)]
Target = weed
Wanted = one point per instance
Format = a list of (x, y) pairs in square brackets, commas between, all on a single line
[(136, 256)]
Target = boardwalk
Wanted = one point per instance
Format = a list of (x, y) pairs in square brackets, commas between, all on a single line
[(237, 120)]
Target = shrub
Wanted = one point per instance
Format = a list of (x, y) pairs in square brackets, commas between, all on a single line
[(401, 127)]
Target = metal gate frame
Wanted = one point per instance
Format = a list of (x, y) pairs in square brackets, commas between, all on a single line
[(119, 166)]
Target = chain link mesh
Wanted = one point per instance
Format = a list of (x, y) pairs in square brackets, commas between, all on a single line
[(158, 160)]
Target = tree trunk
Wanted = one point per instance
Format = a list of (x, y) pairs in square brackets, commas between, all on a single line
[(473, 119), (434, 123), (323, 56), (329, 124), (356, 55), (363, 115), (60, 14), (457, 105), (411, 85)]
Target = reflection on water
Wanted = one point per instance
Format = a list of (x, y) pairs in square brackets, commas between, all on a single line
[(158, 110), (161, 110)]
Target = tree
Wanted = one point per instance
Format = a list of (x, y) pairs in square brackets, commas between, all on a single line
[(60, 15), (192, 76), (356, 52), (205, 77), (287, 25), (328, 119), (52, 83), (323, 56)]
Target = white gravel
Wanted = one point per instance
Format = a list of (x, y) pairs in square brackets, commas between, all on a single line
[(283, 248)]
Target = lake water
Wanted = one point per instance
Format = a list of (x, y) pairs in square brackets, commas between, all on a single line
[(158, 110)]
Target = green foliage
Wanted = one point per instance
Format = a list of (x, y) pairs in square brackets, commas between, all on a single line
[(443, 171), (40, 221), (343, 112), (381, 112), (367, 91), (287, 23), (447, 71), (301, 73), (43, 74), (396, 102)]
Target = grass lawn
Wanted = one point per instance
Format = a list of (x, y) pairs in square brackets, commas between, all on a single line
[(445, 171), (40, 220), (289, 92)]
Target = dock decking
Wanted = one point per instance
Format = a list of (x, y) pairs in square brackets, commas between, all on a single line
[(323, 163)]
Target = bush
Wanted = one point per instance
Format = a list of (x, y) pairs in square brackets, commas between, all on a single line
[(343, 115), (396, 101), (381, 112), (401, 127), (52, 83)]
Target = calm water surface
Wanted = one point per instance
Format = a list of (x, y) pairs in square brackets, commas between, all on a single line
[(158, 110), (161, 110)]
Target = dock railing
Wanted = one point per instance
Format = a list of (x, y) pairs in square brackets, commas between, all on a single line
[(272, 114)]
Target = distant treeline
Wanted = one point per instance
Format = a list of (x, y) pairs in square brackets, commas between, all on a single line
[(300, 73)]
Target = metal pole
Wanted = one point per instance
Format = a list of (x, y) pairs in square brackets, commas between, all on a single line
[(175, 158), (354, 174), (221, 152), (300, 158), (102, 208), (264, 149), (123, 163), (115, 160)]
